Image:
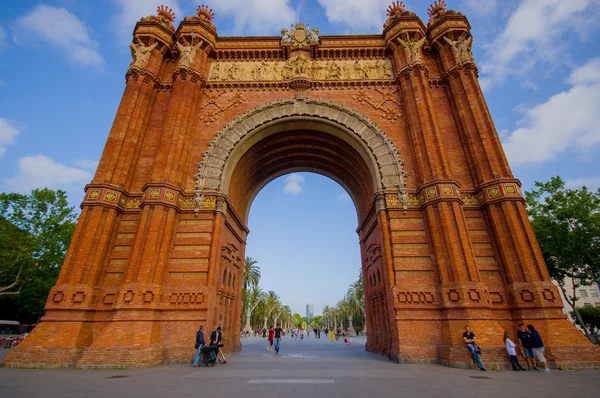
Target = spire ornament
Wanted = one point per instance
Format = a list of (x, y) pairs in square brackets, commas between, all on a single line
[(205, 13), (436, 11), (166, 12), (395, 11), (165, 17)]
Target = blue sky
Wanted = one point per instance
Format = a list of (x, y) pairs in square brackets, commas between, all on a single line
[(62, 67)]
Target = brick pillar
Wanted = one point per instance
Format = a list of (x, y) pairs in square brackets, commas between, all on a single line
[(144, 282), (463, 295), (531, 295), (65, 331)]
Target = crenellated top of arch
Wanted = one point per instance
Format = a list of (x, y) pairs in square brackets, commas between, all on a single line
[(389, 168)]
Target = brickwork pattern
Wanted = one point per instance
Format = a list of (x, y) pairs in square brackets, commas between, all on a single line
[(153, 256)]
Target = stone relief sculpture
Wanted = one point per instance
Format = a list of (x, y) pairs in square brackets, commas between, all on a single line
[(299, 36), (461, 49), (215, 73), (412, 49), (141, 53), (314, 34), (300, 66), (188, 53)]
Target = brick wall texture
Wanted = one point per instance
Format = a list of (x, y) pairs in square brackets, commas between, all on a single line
[(150, 261)]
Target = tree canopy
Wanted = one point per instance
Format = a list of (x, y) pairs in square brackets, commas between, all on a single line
[(35, 232), (567, 226)]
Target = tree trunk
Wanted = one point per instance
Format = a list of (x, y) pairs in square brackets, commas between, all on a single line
[(572, 304), (265, 323), (247, 327), (350, 326)]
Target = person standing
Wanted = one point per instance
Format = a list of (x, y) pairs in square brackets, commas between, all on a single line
[(538, 348), (512, 353), (278, 334), (271, 337), (526, 340), (469, 338), (199, 344)]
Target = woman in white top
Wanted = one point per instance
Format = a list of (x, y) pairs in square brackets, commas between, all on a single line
[(512, 353)]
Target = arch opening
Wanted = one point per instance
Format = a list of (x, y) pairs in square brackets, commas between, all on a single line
[(333, 140), (299, 145)]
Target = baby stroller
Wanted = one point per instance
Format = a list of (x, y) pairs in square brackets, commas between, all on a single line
[(209, 354)]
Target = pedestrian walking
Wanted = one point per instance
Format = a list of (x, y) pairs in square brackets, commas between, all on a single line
[(512, 353), (526, 339), (278, 334), (538, 348), (469, 338), (331, 335), (270, 338), (199, 344)]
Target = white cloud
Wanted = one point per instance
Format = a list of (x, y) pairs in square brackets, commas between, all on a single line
[(479, 7), (566, 121), (131, 11), (62, 30), (257, 17), (537, 31), (358, 15), (590, 182), (8, 132), (292, 184), (343, 196), (87, 164), (41, 171)]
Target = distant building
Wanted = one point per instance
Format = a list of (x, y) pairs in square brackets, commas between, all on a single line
[(587, 296), (310, 311)]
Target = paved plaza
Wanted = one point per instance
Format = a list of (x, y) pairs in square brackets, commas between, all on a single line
[(305, 368)]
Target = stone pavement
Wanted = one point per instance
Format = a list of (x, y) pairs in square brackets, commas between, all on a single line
[(307, 368)]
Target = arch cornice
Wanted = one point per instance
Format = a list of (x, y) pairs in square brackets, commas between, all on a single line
[(390, 174)]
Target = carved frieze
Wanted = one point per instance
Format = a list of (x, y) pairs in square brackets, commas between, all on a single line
[(300, 66)]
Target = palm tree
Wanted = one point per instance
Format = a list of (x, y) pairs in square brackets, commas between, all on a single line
[(345, 312), (253, 298), (327, 315), (251, 273), (356, 300), (271, 303)]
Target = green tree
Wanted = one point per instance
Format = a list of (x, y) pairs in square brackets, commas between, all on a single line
[(252, 298), (35, 231), (567, 226), (271, 303), (590, 317), (298, 320), (251, 273)]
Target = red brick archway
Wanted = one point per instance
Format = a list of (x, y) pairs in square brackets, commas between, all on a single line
[(205, 121)]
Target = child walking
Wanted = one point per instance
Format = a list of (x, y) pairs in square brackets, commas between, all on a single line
[(512, 353)]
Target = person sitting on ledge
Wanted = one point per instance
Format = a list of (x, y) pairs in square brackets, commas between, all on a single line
[(469, 338)]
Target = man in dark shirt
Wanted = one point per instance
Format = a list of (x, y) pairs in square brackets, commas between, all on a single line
[(199, 344), (469, 338), (278, 334), (525, 338), (216, 336)]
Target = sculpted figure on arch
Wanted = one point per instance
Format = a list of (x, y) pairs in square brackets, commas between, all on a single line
[(412, 49), (188, 53), (461, 49), (141, 53)]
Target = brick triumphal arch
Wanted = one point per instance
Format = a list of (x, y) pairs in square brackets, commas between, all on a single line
[(397, 118)]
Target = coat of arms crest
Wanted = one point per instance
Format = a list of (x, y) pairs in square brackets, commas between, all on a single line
[(300, 35)]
